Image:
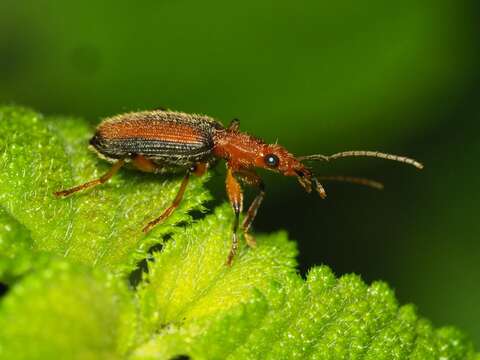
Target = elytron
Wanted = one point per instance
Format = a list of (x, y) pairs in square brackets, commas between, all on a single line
[(163, 141)]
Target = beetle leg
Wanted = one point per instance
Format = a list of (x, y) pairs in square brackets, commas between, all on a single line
[(251, 178), (104, 178), (144, 164), (235, 195), (172, 207), (200, 169), (234, 125)]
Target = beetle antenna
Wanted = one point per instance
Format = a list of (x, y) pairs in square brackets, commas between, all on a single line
[(360, 153), (354, 180)]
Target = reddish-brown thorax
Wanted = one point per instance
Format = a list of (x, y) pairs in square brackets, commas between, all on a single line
[(242, 150)]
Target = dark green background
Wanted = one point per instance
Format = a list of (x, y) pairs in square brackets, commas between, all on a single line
[(317, 75)]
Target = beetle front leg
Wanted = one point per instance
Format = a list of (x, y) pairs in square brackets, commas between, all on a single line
[(102, 179), (235, 195)]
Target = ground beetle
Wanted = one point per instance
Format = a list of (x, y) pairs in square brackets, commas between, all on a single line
[(163, 141)]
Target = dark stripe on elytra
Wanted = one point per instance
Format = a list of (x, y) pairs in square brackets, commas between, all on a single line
[(118, 147)]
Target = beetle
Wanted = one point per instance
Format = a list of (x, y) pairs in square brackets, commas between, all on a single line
[(164, 141)]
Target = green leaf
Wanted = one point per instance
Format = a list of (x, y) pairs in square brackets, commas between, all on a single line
[(101, 227), (189, 278), (67, 262), (66, 312), (15, 244), (260, 307), (212, 337)]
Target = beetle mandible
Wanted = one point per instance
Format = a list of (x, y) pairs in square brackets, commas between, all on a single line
[(164, 141)]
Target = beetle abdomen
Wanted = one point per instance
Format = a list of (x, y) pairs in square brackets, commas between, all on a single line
[(163, 136)]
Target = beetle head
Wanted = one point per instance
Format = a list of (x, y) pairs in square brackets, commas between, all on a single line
[(276, 158)]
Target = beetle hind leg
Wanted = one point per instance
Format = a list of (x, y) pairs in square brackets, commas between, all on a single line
[(101, 180)]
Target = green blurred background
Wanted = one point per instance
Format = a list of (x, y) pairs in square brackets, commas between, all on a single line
[(320, 77)]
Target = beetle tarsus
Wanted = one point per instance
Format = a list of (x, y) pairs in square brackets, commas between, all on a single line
[(250, 240), (233, 249)]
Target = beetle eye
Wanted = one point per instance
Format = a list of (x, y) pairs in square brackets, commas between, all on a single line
[(272, 160)]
